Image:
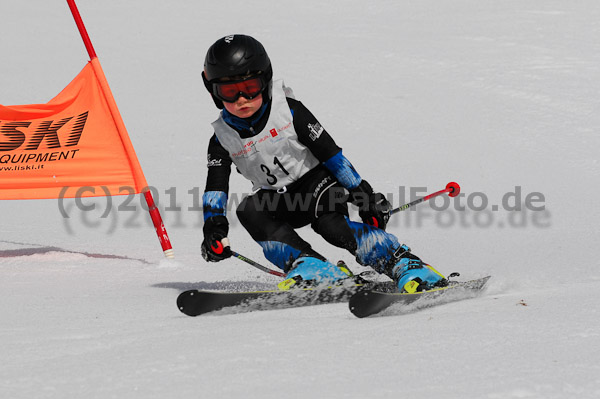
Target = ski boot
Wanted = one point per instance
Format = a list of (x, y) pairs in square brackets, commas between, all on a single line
[(309, 271), (413, 275)]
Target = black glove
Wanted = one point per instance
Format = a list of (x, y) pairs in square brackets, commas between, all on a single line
[(215, 231), (373, 208)]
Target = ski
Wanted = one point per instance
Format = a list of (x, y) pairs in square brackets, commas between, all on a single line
[(368, 302), (199, 302)]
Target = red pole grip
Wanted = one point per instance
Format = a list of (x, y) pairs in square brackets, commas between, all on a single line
[(218, 247)]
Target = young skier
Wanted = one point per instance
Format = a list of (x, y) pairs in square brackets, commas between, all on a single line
[(299, 177)]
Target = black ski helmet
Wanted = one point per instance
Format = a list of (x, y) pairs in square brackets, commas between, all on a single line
[(237, 55)]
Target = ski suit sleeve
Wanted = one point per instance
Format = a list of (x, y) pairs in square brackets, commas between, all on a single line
[(214, 200), (321, 144)]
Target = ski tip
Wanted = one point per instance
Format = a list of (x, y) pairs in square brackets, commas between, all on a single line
[(370, 302)]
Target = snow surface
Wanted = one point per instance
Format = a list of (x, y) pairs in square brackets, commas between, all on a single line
[(493, 95)]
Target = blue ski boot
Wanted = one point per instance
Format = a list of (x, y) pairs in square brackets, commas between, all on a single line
[(413, 275), (311, 271)]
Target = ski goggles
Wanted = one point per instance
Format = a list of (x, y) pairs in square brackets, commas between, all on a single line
[(231, 91)]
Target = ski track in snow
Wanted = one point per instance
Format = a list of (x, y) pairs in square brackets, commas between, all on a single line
[(493, 96)]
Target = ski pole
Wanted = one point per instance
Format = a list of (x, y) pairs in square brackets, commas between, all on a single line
[(225, 243), (452, 188), (258, 265)]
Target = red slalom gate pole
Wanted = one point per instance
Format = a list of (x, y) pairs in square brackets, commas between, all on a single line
[(84, 35), (159, 226), (452, 188), (157, 221)]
